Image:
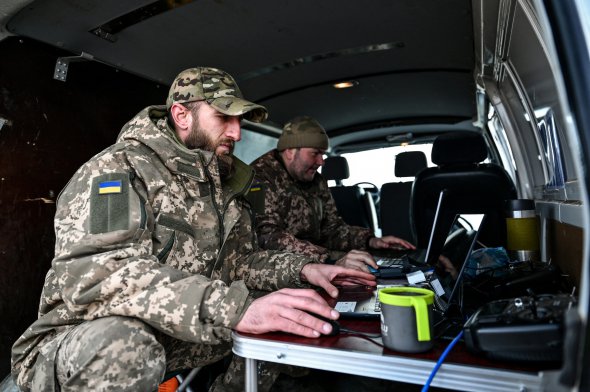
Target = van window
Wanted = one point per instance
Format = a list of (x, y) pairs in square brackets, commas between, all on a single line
[(547, 128), (253, 145), (377, 166), (532, 97), (501, 143)]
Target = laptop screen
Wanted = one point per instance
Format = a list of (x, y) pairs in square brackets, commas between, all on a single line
[(461, 241)]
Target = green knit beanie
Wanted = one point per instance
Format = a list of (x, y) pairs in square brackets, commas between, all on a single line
[(303, 131)]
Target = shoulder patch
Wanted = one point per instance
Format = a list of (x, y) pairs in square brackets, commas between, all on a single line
[(109, 203), (256, 198)]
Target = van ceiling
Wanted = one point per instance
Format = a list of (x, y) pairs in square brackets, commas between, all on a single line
[(411, 60)]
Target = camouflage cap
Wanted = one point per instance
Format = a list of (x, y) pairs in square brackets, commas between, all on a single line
[(218, 89), (303, 131)]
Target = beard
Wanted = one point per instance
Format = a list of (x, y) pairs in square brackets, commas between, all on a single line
[(199, 139), (226, 165), (299, 168)]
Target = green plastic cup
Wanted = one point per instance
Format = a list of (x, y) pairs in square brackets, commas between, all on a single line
[(406, 318)]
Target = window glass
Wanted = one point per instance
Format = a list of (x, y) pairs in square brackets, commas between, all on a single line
[(377, 166), (535, 74), (547, 128), (502, 144), (253, 145)]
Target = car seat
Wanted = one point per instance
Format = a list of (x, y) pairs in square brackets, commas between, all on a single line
[(355, 205), (395, 196), (471, 187)]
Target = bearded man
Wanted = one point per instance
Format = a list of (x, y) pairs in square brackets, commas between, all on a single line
[(155, 258)]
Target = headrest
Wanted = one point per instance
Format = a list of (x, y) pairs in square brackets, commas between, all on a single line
[(459, 147), (335, 168), (407, 164)]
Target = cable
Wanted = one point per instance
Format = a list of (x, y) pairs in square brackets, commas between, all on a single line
[(440, 361), (365, 334)]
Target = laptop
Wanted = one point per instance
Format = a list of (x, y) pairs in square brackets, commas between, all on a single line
[(403, 262), (398, 266), (361, 305), (447, 291)]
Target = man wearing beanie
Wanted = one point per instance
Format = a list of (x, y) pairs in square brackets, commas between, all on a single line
[(155, 258), (294, 208)]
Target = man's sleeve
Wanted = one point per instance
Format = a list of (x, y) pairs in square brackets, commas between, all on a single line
[(270, 204), (104, 264), (265, 270)]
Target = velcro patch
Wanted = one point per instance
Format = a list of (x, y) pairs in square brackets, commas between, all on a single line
[(256, 198), (109, 203)]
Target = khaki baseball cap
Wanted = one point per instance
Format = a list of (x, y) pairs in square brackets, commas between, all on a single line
[(218, 89)]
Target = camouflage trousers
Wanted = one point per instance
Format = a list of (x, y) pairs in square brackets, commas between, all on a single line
[(125, 354)]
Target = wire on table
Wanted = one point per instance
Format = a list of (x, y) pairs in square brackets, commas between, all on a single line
[(440, 361), (364, 335)]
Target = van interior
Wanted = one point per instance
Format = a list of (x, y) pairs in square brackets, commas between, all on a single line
[(414, 95)]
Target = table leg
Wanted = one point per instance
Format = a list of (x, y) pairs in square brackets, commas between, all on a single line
[(251, 375)]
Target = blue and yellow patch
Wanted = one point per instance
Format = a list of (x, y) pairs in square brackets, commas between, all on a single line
[(109, 187), (256, 197)]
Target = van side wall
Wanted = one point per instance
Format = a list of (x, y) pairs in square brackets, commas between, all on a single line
[(521, 81), (49, 128)]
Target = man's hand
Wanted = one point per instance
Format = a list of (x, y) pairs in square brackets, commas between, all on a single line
[(357, 259), (286, 310), (327, 276), (388, 242)]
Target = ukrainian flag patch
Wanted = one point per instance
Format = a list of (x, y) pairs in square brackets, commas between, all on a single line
[(256, 197), (109, 203), (109, 187)]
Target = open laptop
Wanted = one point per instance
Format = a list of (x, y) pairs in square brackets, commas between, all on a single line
[(366, 305), (403, 262), (447, 291), (393, 266)]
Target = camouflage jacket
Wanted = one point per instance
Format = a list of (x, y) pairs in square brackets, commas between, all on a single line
[(147, 229), (299, 217)]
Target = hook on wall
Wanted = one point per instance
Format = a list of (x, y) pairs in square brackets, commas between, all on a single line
[(62, 64)]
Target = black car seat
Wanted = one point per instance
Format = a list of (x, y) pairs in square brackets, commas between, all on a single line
[(471, 187), (395, 196), (355, 205)]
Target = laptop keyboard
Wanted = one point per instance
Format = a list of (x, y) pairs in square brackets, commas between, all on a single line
[(390, 261)]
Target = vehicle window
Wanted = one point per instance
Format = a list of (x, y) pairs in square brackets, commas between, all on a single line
[(542, 113), (253, 145), (547, 129), (377, 166), (502, 143)]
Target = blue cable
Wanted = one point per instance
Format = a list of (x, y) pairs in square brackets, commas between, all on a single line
[(440, 361)]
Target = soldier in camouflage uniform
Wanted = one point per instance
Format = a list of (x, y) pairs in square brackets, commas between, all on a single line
[(294, 208), (155, 257)]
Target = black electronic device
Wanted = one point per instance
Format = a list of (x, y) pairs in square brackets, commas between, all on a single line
[(516, 279), (524, 329), (335, 324)]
